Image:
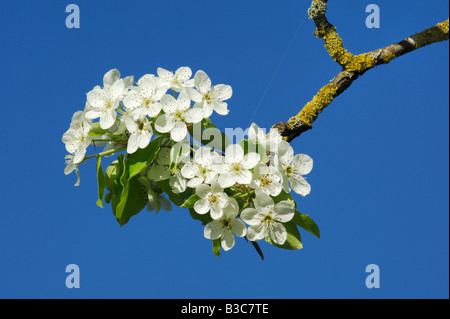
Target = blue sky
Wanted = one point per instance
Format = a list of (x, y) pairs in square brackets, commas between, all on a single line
[(379, 183)]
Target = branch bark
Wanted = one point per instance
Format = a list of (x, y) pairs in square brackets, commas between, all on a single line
[(353, 66)]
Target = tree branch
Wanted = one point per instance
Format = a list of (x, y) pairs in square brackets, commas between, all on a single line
[(353, 66)]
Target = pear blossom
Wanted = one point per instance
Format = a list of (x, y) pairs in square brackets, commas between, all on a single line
[(76, 140), (236, 166), (70, 167), (213, 200), (266, 219), (163, 171), (267, 180), (141, 132), (292, 169), (207, 97), (113, 75), (200, 169), (226, 226), (178, 112), (271, 141), (104, 102), (178, 81), (157, 200), (78, 118), (146, 96)]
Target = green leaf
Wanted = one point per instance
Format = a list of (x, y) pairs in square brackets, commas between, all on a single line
[(111, 175), (100, 182), (189, 203), (96, 130), (293, 240), (108, 197), (205, 218), (177, 199), (132, 200), (142, 158), (306, 222), (217, 244), (284, 196)]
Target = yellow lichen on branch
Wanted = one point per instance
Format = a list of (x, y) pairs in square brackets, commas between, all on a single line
[(432, 35), (312, 109)]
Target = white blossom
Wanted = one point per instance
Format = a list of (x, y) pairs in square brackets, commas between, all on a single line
[(267, 180), (145, 97), (178, 81), (271, 141), (213, 200), (236, 166), (266, 219), (292, 169), (200, 169), (141, 132), (178, 112), (70, 167), (209, 98), (76, 140), (226, 226), (104, 102)]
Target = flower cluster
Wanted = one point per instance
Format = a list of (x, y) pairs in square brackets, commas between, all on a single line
[(241, 189)]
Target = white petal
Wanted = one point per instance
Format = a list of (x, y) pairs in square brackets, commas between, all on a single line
[(169, 104), (220, 107), (194, 182), (277, 232), (183, 73), (284, 211), (213, 230), (164, 123), (194, 95), (194, 115), (110, 77), (179, 131), (144, 139), (303, 163), (251, 216), (108, 119), (131, 125), (117, 88), (250, 160), (203, 190), (216, 212), (300, 185), (222, 92), (232, 209), (257, 232), (165, 74), (202, 82), (238, 227), (189, 170), (95, 98), (228, 240), (261, 169), (202, 206), (244, 177), (263, 201), (184, 102), (226, 180), (234, 153), (132, 101), (133, 143)]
